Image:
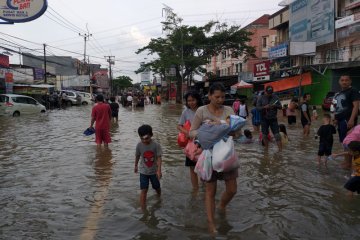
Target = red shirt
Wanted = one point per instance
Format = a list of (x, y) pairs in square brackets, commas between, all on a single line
[(101, 112)]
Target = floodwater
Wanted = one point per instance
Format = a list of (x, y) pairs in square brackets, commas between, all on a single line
[(55, 184)]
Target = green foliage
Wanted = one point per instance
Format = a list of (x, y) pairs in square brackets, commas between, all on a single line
[(189, 48), (122, 82)]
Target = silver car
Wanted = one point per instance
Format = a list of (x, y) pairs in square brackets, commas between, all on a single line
[(16, 105), (71, 97)]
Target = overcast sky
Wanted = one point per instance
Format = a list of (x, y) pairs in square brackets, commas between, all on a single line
[(119, 28)]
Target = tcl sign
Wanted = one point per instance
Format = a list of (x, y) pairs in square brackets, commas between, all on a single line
[(262, 69)]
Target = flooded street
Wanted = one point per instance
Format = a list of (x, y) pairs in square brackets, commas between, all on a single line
[(55, 184)]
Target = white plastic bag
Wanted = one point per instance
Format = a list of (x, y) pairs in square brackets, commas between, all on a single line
[(224, 158), (203, 166)]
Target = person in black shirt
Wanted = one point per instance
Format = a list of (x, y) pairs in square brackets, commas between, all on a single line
[(325, 133), (347, 106), (269, 104), (305, 114), (114, 109)]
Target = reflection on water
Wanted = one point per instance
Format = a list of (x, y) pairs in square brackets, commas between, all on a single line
[(56, 184)]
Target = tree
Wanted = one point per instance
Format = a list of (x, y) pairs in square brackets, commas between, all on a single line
[(188, 48), (121, 83)]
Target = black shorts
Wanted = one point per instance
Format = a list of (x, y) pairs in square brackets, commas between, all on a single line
[(115, 114), (304, 122), (189, 163), (291, 120), (353, 184), (325, 149)]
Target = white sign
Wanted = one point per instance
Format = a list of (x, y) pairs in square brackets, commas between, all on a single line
[(302, 48), (346, 21), (17, 11)]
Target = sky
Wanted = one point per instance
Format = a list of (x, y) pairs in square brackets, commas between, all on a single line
[(119, 27)]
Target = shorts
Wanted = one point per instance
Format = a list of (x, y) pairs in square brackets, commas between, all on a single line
[(325, 149), (304, 122), (115, 114), (224, 176), (102, 135), (272, 123), (353, 184), (189, 163), (291, 120), (145, 179)]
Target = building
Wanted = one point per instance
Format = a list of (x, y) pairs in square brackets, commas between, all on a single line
[(316, 37), (223, 65)]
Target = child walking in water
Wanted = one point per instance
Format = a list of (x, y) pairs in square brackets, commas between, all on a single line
[(325, 133), (283, 134), (148, 154)]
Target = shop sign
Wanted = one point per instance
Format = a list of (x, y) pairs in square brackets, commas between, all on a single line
[(4, 60), (262, 69), (346, 21), (17, 11), (278, 51)]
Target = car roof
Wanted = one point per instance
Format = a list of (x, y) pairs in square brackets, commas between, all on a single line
[(14, 95)]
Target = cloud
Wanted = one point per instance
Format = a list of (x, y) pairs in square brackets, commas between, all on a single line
[(138, 36)]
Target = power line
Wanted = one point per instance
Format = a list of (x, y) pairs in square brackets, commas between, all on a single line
[(71, 29), (70, 23)]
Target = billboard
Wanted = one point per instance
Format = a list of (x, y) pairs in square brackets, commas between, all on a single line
[(313, 21), (262, 71), (16, 11), (4, 60), (278, 51)]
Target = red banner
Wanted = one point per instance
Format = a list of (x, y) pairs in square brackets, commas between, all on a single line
[(262, 69), (9, 78), (4, 60)]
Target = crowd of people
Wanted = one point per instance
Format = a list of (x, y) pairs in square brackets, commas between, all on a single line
[(264, 118)]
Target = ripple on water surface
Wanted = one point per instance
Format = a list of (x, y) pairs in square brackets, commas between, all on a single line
[(55, 184)]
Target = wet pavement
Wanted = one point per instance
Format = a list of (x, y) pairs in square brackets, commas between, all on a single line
[(55, 184)]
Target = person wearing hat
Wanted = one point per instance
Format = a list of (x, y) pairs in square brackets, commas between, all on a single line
[(268, 104)]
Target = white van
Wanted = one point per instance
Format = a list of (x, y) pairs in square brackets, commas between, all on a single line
[(16, 105), (86, 98)]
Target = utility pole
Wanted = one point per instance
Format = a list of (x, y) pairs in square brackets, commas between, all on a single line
[(45, 75), (111, 61), (86, 38)]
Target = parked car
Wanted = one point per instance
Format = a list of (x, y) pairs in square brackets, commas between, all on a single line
[(16, 105), (72, 97), (328, 100), (86, 98)]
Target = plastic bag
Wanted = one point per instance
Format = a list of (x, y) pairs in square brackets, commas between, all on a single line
[(236, 122), (182, 139), (192, 150), (224, 158), (203, 166)]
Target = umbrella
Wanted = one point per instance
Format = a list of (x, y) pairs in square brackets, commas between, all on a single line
[(242, 84)]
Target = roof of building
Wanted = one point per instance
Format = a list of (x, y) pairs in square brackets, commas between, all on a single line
[(263, 20), (278, 12)]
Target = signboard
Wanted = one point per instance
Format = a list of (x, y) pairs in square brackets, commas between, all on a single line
[(9, 82), (145, 78), (4, 61), (39, 74), (302, 48), (278, 51), (17, 11), (262, 71), (346, 21), (312, 20), (352, 4)]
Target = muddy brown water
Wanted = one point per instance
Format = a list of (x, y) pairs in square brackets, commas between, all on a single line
[(55, 184)]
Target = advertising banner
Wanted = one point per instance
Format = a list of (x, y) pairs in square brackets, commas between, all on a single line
[(9, 82), (4, 60), (17, 11), (39, 74), (278, 51), (312, 20), (262, 71)]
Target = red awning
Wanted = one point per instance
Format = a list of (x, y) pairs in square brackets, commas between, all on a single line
[(291, 82), (242, 84)]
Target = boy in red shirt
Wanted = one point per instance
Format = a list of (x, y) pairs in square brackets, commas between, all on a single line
[(101, 114)]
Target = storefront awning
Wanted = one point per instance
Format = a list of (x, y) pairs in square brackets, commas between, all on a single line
[(241, 84), (291, 82)]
